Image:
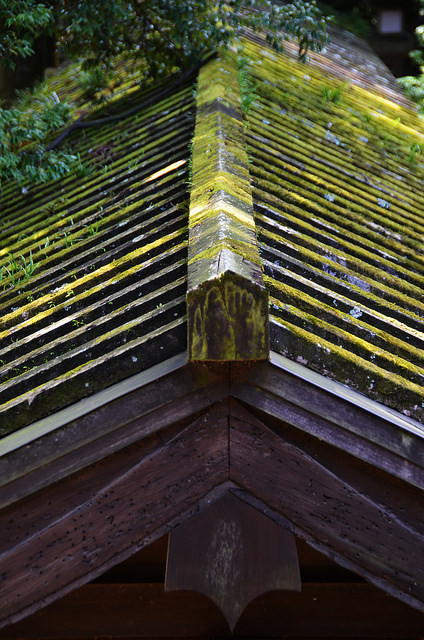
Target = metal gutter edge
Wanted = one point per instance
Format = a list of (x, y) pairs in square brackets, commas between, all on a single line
[(342, 392), (56, 421)]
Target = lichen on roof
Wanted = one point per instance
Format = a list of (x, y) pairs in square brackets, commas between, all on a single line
[(337, 178), (93, 266), (94, 275)]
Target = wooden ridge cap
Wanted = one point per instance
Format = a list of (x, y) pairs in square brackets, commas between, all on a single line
[(227, 300)]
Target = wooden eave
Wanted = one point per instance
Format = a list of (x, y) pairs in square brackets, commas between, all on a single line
[(95, 482), (274, 435)]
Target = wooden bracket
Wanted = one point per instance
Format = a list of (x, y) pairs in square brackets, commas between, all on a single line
[(231, 553)]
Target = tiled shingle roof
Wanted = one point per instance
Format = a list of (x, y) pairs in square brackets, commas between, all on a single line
[(337, 190), (106, 297), (335, 164)]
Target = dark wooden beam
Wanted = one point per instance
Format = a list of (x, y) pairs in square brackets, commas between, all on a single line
[(76, 529), (329, 411), (122, 611), (76, 437), (338, 517)]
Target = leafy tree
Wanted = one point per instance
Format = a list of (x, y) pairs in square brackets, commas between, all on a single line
[(169, 36), (20, 22), (414, 85)]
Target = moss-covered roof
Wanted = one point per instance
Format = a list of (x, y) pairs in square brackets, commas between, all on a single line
[(332, 181), (97, 261), (337, 178)]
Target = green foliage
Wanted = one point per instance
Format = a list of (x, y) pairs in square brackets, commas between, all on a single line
[(414, 85), (17, 270), (175, 34), (247, 85), (167, 35), (331, 94), (356, 19), (415, 149), (23, 131), (94, 80), (20, 22)]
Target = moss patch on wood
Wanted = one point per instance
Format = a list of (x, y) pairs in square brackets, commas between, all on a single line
[(227, 302), (228, 320)]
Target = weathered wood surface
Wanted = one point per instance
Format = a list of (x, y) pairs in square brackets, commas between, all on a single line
[(75, 530), (330, 412), (49, 454), (227, 303), (337, 517), (136, 481), (228, 320), (232, 553), (145, 611)]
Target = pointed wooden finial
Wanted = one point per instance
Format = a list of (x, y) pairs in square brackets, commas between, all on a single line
[(231, 553)]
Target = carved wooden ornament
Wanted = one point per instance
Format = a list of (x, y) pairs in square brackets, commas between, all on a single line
[(231, 553)]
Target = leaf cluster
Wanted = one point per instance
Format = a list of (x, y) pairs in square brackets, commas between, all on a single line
[(23, 132), (168, 35), (414, 85), (20, 22)]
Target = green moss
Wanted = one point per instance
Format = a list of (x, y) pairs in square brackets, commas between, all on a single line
[(221, 209), (39, 310), (228, 320), (243, 249), (344, 366), (356, 334)]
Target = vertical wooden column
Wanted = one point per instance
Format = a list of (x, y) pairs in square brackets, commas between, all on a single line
[(227, 300)]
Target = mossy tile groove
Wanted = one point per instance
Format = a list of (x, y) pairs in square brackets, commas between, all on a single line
[(90, 312), (118, 327), (94, 375), (94, 269), (107, 296), (340, 219)]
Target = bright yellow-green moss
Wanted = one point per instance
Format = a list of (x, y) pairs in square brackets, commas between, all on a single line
[(337, 187), (221, 201), (347, 329), (227, 306), (83, 283), (317, 352)]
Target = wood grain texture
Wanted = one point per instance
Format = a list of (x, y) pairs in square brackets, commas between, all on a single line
[(327, 411), (77, 529), (326, 509), (232, 553), (134, 414)]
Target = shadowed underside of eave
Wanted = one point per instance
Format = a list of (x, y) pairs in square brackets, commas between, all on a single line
[(99, 516)]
